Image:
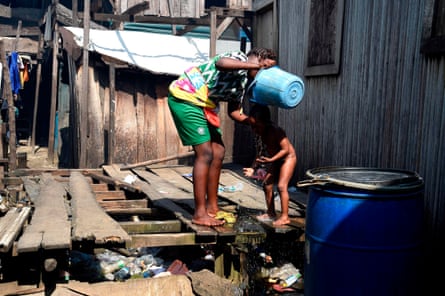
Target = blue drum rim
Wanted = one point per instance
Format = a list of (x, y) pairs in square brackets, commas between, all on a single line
[(397, 180)]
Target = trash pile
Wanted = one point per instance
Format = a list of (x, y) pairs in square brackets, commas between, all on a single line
[(283, 278), (110, 265)]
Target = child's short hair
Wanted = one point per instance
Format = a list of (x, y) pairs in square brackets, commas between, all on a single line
[(260, 112)]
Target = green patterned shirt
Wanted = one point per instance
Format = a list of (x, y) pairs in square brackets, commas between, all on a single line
[(225, 85)]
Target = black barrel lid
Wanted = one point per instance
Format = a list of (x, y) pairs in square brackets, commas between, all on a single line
[(363, 178)]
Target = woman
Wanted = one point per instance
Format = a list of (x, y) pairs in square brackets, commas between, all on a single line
[(193, 101)]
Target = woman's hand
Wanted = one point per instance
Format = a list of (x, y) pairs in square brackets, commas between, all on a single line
[(267, 63)]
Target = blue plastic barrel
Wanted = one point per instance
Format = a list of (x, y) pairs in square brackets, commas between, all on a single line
[(276, 87), (364, 230)]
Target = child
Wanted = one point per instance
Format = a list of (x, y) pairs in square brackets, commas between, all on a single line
[(279, 159)]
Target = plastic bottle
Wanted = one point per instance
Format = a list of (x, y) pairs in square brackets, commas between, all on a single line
[(145, 261), (237, 187), (112, 267), (122, 274)]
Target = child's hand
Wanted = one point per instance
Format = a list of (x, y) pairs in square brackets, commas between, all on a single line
[(248, 172), (263, 159)]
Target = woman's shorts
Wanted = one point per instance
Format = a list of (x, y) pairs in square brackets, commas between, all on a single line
[(190, 122)]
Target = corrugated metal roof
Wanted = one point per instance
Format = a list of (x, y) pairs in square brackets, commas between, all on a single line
[(158, 53)]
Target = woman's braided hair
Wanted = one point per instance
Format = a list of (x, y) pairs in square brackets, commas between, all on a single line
[(262, 53)]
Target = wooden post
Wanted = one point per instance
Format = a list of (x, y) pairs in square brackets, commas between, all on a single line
[(11, 112), (84, 94), (36, 94), (112, 77), (75, 6), (54, 85), (213, 32)]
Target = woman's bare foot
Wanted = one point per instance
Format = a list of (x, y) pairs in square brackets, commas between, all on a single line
[(207, 221), (281, 221), (265, 217)]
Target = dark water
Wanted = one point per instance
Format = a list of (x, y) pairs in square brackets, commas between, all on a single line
[(280, 249)]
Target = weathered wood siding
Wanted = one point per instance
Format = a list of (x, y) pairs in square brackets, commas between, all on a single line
[(143, 126), (174, 8), (385, 108)]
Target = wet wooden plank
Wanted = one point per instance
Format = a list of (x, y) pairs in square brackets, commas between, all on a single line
[(141, 227), (163, 240), (49, 207), (11, 225), (90, 222), (158, 200)]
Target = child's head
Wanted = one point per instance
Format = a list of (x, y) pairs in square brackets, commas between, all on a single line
[(259, 117)]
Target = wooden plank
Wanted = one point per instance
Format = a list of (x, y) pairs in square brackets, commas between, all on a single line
[(141, 227), (49, 206), (123, 204), (162, 240), (11, 225), (250, 196), (166, 189), (99, 187), (159, 201), (167, 186), (110, 195), (90, 222), (133, 211), (112, 181)]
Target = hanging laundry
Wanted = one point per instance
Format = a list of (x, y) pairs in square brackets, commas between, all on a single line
[(24, 67), (14, 72)]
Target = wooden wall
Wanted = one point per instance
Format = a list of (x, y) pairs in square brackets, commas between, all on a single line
[(143, 126), (386, 106), (174, 8)]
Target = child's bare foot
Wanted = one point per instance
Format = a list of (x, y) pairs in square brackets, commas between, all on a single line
[(207, 221), (281, 221), (265, 217)]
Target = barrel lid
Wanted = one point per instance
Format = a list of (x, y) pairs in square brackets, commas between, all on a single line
[(363, 178)]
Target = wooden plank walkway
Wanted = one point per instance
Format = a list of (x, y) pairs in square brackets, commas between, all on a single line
[(97, 199), (49, 227), (160, 201), (90, 222)]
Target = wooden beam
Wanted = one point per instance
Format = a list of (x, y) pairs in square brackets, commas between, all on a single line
[(11, 111), (223, 26), (112, 111), (154, 161), (161, 240), (54, 86), (24, 14), (143, 227), (213, 37), (8, 30), (36, 93), (137, 8), (114, 182), (84, 92)]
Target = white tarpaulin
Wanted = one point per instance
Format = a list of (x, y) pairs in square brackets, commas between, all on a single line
[(159, 53)]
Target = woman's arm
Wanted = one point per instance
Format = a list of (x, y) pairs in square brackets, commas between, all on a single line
[(229, 64)]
